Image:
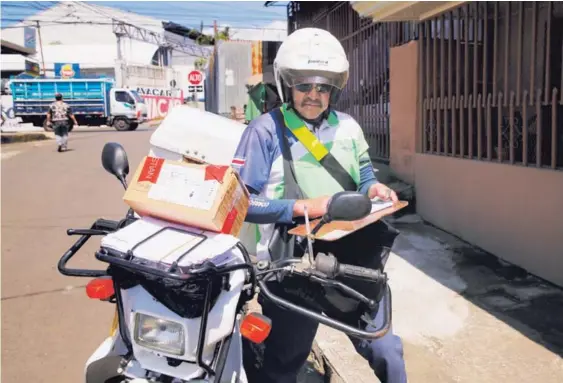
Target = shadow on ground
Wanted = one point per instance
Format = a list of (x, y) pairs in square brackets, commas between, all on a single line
[(525, 302)]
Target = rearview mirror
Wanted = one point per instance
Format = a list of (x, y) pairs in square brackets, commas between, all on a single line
[(348, 206), (114, 160)]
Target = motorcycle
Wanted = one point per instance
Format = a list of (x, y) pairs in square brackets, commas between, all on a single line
[(176, 323)]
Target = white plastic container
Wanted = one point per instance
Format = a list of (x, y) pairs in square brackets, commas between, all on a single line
[(196, 134)]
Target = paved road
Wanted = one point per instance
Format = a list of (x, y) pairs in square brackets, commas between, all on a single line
[(49, 326)]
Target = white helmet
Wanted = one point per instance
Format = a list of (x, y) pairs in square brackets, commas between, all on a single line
[(310, 55)]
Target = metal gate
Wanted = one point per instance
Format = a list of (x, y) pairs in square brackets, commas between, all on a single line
[(491, 78), (366, 97)]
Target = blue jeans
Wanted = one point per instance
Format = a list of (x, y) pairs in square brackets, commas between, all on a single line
[(290, 341)]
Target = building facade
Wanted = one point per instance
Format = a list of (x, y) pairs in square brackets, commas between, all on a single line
[(480, 128)]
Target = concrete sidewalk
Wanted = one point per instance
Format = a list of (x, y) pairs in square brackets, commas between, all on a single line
[(463, 315)]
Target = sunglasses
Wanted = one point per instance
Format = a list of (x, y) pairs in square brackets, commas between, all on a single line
[(320, 88)]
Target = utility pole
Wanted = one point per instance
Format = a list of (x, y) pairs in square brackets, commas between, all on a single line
[(119, 67), (40, 45)]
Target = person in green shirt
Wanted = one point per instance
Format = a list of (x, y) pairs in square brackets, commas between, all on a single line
[(311, 69)]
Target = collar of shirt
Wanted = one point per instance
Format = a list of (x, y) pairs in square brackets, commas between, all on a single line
[(293, 121)]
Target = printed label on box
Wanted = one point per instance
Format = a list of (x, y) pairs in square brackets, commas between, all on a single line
[(184, 186)]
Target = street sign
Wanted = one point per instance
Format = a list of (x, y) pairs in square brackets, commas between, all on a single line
[(195, 89), (195, 77)]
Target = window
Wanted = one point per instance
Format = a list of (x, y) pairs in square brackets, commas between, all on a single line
[(122, 96), (137, 98)]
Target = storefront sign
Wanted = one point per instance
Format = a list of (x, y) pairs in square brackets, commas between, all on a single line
[(159, 101)]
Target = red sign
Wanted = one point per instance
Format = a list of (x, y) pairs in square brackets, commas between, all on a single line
[(151, 169), (195, 77), (159, 101)]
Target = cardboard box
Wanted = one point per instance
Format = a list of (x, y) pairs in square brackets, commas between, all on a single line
[(201, 195)]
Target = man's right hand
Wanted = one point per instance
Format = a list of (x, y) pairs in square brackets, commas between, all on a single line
[(316, 207)]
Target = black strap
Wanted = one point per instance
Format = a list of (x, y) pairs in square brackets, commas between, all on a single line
[(328, 162), (282, 244), (333, 167), (291, 188)]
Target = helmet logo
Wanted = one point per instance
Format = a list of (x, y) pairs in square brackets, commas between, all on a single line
[(320, 62)]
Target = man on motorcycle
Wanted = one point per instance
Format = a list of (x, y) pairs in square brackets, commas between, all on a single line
[(311, 69)]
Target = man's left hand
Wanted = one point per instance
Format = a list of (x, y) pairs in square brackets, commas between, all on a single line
[(383, 192)]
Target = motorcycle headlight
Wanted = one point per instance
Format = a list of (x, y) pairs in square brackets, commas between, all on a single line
[(159, 334)]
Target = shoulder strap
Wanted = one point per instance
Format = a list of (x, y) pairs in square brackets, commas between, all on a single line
[(319, 151), (291, 188)]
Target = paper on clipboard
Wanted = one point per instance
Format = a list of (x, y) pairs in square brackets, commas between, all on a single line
[(338, 229), (379, 204)]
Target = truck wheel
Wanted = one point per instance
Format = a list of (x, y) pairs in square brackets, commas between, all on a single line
[(133, 125), (121, 124), (47, 127)]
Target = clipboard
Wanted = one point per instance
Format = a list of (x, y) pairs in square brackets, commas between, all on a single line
[(338, 229)]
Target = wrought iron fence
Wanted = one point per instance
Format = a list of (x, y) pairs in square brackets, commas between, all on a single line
[(491, 76), (366, 96)]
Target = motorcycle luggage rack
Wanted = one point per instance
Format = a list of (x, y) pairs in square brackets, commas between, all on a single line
[(128, 260)]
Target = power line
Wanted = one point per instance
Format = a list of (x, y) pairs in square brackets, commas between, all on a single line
[(56, 22), (171, 15)]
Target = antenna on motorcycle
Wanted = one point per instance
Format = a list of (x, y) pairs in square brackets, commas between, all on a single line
[(309, 241)]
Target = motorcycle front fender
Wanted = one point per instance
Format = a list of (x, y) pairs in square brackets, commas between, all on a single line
[(104, 362)]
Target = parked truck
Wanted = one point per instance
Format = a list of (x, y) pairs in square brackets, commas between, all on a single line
[(94, 102)]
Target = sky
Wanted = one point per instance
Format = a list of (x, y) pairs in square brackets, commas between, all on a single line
[(251, 14)]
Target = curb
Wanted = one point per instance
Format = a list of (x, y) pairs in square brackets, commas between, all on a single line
[(330, 373), (155, 123), (342, 363), (10, 138)]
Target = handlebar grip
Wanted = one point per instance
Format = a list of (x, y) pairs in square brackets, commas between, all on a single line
[(106, 224), (360, 272), (328, 265)]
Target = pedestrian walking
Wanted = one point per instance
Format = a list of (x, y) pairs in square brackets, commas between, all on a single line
[(58, 115)]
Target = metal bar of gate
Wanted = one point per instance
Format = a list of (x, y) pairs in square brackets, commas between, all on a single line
[(489, 129), (511, 124), (525, 128), (506, 51), (538, 129), (499, 127), (533, 50), (548, 51), (495, 52), (554, 129), (520, 31)]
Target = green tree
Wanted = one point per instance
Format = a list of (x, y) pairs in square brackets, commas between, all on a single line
[(224, 34)]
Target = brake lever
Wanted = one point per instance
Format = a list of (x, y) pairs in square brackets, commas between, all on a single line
[(345, 289)]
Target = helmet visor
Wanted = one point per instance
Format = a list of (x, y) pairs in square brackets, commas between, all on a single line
[(293, 77)]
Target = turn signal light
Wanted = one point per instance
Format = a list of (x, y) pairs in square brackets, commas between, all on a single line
[(255, 327), (100, 288)]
